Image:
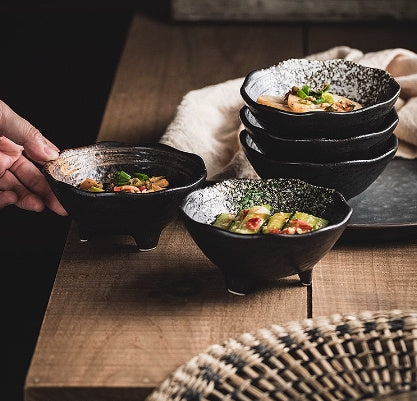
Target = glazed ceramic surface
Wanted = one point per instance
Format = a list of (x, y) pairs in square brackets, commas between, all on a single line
[(375, 89), (141, 215), (248, 260), (387, 210), (350, 177), (317, 149)]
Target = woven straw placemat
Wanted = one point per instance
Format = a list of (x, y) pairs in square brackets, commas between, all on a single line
[(339, 357)]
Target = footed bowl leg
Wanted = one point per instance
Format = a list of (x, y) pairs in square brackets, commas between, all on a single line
[(306, 277), (146, 241), (238, 284), (84, 233)]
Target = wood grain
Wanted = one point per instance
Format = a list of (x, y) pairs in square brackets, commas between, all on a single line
[(123, 319), (162, 62), (355, 277), (118, 321)]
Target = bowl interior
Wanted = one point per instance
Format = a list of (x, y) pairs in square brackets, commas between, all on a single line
[(204, 205), (101, 160), (368, 86)]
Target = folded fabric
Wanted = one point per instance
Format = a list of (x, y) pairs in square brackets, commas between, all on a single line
[(207, 120)]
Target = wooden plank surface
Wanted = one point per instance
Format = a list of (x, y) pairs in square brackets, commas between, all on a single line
[(370, 276), (162, 62), (356, 277), (119, 321)]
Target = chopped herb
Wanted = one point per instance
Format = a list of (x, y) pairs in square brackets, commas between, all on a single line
[(301, 93), (121, 178), (142, 177)]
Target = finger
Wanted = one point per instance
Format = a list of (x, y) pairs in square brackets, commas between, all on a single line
[(37, 147), (34, 180), (7, 198), (9, 153), (25, 199)]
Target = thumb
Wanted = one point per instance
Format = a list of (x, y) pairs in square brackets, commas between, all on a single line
[(20, 131), (36, 146)]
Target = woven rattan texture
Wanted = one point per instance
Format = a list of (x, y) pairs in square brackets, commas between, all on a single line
[(340, 357)]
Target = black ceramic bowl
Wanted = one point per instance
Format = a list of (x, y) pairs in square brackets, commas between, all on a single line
[(141, 215), (250, 260), (317, 149), (375, 89), (349, 177)]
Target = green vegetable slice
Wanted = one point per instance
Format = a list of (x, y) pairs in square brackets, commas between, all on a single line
[(306, 89), (142, 177), (315, 222), (121, 178), (276, 222), (250, 221), (302, 94), (224, 220), (95, 189)]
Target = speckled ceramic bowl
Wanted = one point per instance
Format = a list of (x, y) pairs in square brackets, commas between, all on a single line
[(141, 215), (349, 177), (375, 89), (248, 261), (318, 149)]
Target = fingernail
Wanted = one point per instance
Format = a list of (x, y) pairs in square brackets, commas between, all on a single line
[(51, 153)]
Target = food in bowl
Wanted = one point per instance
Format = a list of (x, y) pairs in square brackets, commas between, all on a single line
[(121, 181), (259, 219), (306, 99), (249, 261)]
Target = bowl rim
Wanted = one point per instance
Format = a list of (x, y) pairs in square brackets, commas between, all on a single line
[(244, 134), (251, 103), (202, 176), (330, 227), (263, 131)]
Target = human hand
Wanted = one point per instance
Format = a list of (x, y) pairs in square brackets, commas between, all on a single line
[(21, 182)]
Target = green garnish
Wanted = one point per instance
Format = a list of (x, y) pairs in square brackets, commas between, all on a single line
[(306, 89), (326, 88), (95, 189), (328, 98), (121, 178), (302, 94), (319, 100), (142, 177)]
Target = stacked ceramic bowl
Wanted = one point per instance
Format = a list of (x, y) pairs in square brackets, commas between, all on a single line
[(347, 150)]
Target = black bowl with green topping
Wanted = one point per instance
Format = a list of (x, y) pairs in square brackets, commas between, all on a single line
[(375, 89), (251, 260), (141, 215)]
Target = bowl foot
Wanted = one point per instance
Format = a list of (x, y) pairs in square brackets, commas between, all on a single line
[(146, 241), (84, 233), (237, 284), (306, 277)]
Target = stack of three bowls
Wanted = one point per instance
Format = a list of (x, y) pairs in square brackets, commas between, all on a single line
[(345, 151)]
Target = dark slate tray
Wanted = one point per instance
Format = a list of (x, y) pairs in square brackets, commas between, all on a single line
[(387, 210)]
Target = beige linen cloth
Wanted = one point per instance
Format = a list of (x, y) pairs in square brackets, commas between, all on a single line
[(207, 120)]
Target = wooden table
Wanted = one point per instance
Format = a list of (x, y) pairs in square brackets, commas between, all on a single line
[(118, 321)]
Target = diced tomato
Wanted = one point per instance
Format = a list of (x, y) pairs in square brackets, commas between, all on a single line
[(142, 188), (302, 224), (275, 232), (254, 223)]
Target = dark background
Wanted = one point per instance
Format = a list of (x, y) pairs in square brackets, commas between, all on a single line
[(56, 70)]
